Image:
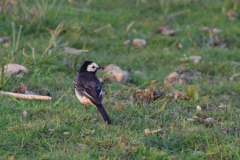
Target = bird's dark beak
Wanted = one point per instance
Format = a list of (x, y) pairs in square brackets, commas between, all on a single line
[(101, 67)]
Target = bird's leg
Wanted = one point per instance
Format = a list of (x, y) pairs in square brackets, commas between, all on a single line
[(85, 106), (98, 115)]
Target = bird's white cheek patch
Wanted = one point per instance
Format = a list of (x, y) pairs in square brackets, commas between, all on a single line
[(90, 67)]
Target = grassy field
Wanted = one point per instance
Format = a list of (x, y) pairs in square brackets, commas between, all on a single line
[(101, 28)]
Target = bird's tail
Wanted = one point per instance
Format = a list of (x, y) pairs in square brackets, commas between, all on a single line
[(103, 113)]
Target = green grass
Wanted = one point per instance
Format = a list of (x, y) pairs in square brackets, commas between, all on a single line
[(29, 137)]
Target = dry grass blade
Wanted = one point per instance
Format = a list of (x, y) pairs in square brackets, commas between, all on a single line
[(101, 28), (130, 25), (73, 50), (24, 53), (147, 131), (53, 39), (33, 52), (236, 63)]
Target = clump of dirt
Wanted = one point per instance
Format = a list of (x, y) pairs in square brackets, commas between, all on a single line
[(23, 89)]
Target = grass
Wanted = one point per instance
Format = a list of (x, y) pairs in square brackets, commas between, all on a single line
[(101, 28)]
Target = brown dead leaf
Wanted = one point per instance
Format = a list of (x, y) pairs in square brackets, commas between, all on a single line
[(197, 118), (55, 115), (181, 69), (209, 122), (219, 43), (122, 142), (206, 29), (164, 30), (147, 95), (120, 108), (13, 127), (177, 95), (215, 30), (23, 89), (127, 42), (224, 130), (232, 15), (172, 79), (101, 80), (179, 45)]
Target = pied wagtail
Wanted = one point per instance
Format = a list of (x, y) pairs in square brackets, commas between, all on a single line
[(88, 88)]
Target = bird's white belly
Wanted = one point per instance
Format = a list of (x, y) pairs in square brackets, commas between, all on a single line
[(83, 99)]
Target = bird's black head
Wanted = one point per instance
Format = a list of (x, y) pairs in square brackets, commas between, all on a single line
[(89, 66)]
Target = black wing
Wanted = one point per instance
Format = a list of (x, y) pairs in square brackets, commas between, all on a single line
[(93, 91)]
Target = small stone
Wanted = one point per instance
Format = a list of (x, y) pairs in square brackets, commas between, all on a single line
[(139, 42), (24, 113), (16, 69), (172, 79), (199, 108), (115, 73), (66, 133)]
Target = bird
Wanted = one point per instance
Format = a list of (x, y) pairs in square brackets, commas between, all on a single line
[(89, 89)]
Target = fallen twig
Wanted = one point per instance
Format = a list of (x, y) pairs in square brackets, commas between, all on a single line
[(147, 131), (234, 76), (26, 96)]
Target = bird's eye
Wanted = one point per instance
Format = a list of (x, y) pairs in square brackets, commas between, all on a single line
[(93, 66)]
